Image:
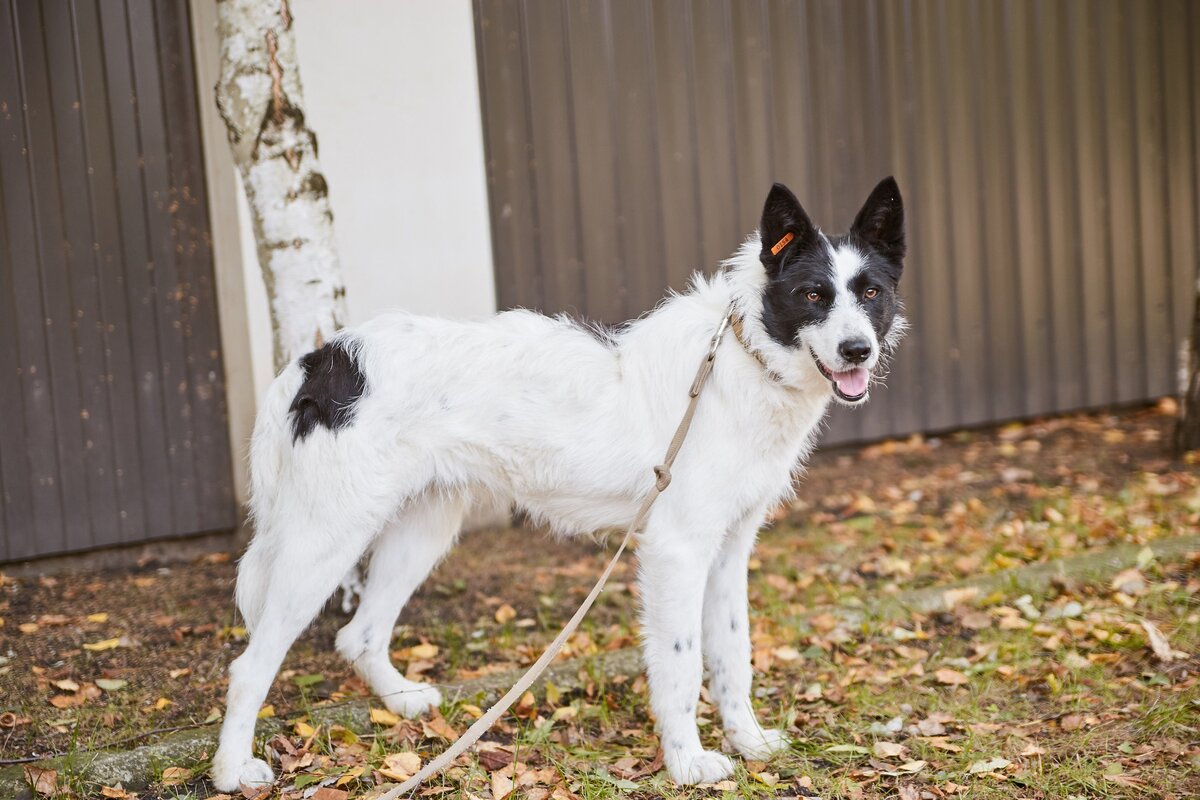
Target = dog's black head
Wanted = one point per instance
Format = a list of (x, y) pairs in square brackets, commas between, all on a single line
[(835, 296)]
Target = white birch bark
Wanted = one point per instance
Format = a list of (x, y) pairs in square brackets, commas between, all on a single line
[(261, 100), (1187, 427)]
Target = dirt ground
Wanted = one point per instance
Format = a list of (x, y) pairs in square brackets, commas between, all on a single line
[(1074, 707)]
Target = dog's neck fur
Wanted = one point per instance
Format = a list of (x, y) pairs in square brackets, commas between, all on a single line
[(755, 380), (790, 369)]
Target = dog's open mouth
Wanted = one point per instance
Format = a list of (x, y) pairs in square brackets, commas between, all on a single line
[(850, 385)]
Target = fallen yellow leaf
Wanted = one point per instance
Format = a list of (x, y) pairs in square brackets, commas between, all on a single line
[(941, 743), (103, 644), (768, 778), (173, 776), (786, 653), (423, 650), (342, 734), (43, 781), (381, 716), (328, 793), (887, 749), (505, 613), (502, 785), (950, 677), (1159, 644), (400, 766), (566, 712), (957, 597), (436, 726), (349, 775)]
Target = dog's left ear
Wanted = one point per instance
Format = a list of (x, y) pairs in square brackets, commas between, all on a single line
[(880, 223)]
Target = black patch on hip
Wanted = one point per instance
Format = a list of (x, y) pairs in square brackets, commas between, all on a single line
[(333, 383)]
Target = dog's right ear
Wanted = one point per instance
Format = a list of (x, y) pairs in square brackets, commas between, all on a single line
[(785, 227)]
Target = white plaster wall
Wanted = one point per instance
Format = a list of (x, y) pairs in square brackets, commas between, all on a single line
[(391, 89)]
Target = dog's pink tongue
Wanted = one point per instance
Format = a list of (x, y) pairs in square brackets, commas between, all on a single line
[(852, 382)]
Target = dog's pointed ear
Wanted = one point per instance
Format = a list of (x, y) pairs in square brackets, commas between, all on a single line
[(880, 223), (785, 226)]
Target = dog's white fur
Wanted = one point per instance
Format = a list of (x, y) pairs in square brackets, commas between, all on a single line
[(567, 426)]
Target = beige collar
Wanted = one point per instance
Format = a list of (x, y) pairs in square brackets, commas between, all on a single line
[(737, 322), (739, 330)]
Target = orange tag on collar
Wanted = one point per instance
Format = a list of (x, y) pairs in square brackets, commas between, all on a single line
[(782, 243)]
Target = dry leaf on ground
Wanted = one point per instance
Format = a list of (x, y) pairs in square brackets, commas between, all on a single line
[(43, 781)]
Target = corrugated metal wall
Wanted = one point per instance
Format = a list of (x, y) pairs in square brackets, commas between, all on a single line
[(1047, 152), (112, 402)]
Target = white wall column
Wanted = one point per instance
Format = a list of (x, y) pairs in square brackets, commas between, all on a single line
[(392, 92)]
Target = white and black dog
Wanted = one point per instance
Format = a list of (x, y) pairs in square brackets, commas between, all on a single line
[(378, 441)]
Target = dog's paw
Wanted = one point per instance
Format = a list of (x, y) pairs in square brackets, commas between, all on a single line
[(232, 777), (413, 702), (758, 743), (688, 767)]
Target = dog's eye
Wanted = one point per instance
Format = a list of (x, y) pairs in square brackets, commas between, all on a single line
[(813, 297), (871, 293)]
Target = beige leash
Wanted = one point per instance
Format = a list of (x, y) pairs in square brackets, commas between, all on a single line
[(662, 479)]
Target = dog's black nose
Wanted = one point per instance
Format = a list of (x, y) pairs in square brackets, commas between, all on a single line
[(855, 351)]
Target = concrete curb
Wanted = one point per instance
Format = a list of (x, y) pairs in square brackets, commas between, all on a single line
[(1084, 568), (135, 768)]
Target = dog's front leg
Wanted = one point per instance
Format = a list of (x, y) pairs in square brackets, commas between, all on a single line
[(727, 645), (672, 573)]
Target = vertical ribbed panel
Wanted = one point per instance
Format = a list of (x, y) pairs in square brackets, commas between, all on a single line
[(111, 382), (1047, 153)]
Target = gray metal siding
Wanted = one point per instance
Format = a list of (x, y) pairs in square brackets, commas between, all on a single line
[(113, 422), (1047, 152)]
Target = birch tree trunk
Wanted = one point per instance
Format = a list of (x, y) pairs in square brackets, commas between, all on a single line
[(260, 98), (1187, 429)]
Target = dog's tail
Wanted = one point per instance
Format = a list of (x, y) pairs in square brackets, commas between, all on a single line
[(270, 453)]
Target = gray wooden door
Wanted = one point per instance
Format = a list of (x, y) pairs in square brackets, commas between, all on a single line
[(1047, 152), (112, 402)]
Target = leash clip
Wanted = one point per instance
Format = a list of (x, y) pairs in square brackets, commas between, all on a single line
[(707, 364), (716, 340)]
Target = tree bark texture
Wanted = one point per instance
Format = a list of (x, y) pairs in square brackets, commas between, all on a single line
[(1187, 429), (260, 98)]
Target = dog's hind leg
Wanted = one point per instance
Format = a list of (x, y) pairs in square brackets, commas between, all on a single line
[(404, 554), (294, 580), (727, 644)]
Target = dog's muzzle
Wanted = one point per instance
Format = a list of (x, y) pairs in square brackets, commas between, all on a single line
[(849, 385)]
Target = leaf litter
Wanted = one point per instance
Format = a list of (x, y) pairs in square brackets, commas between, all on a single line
[(1087, 687)]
